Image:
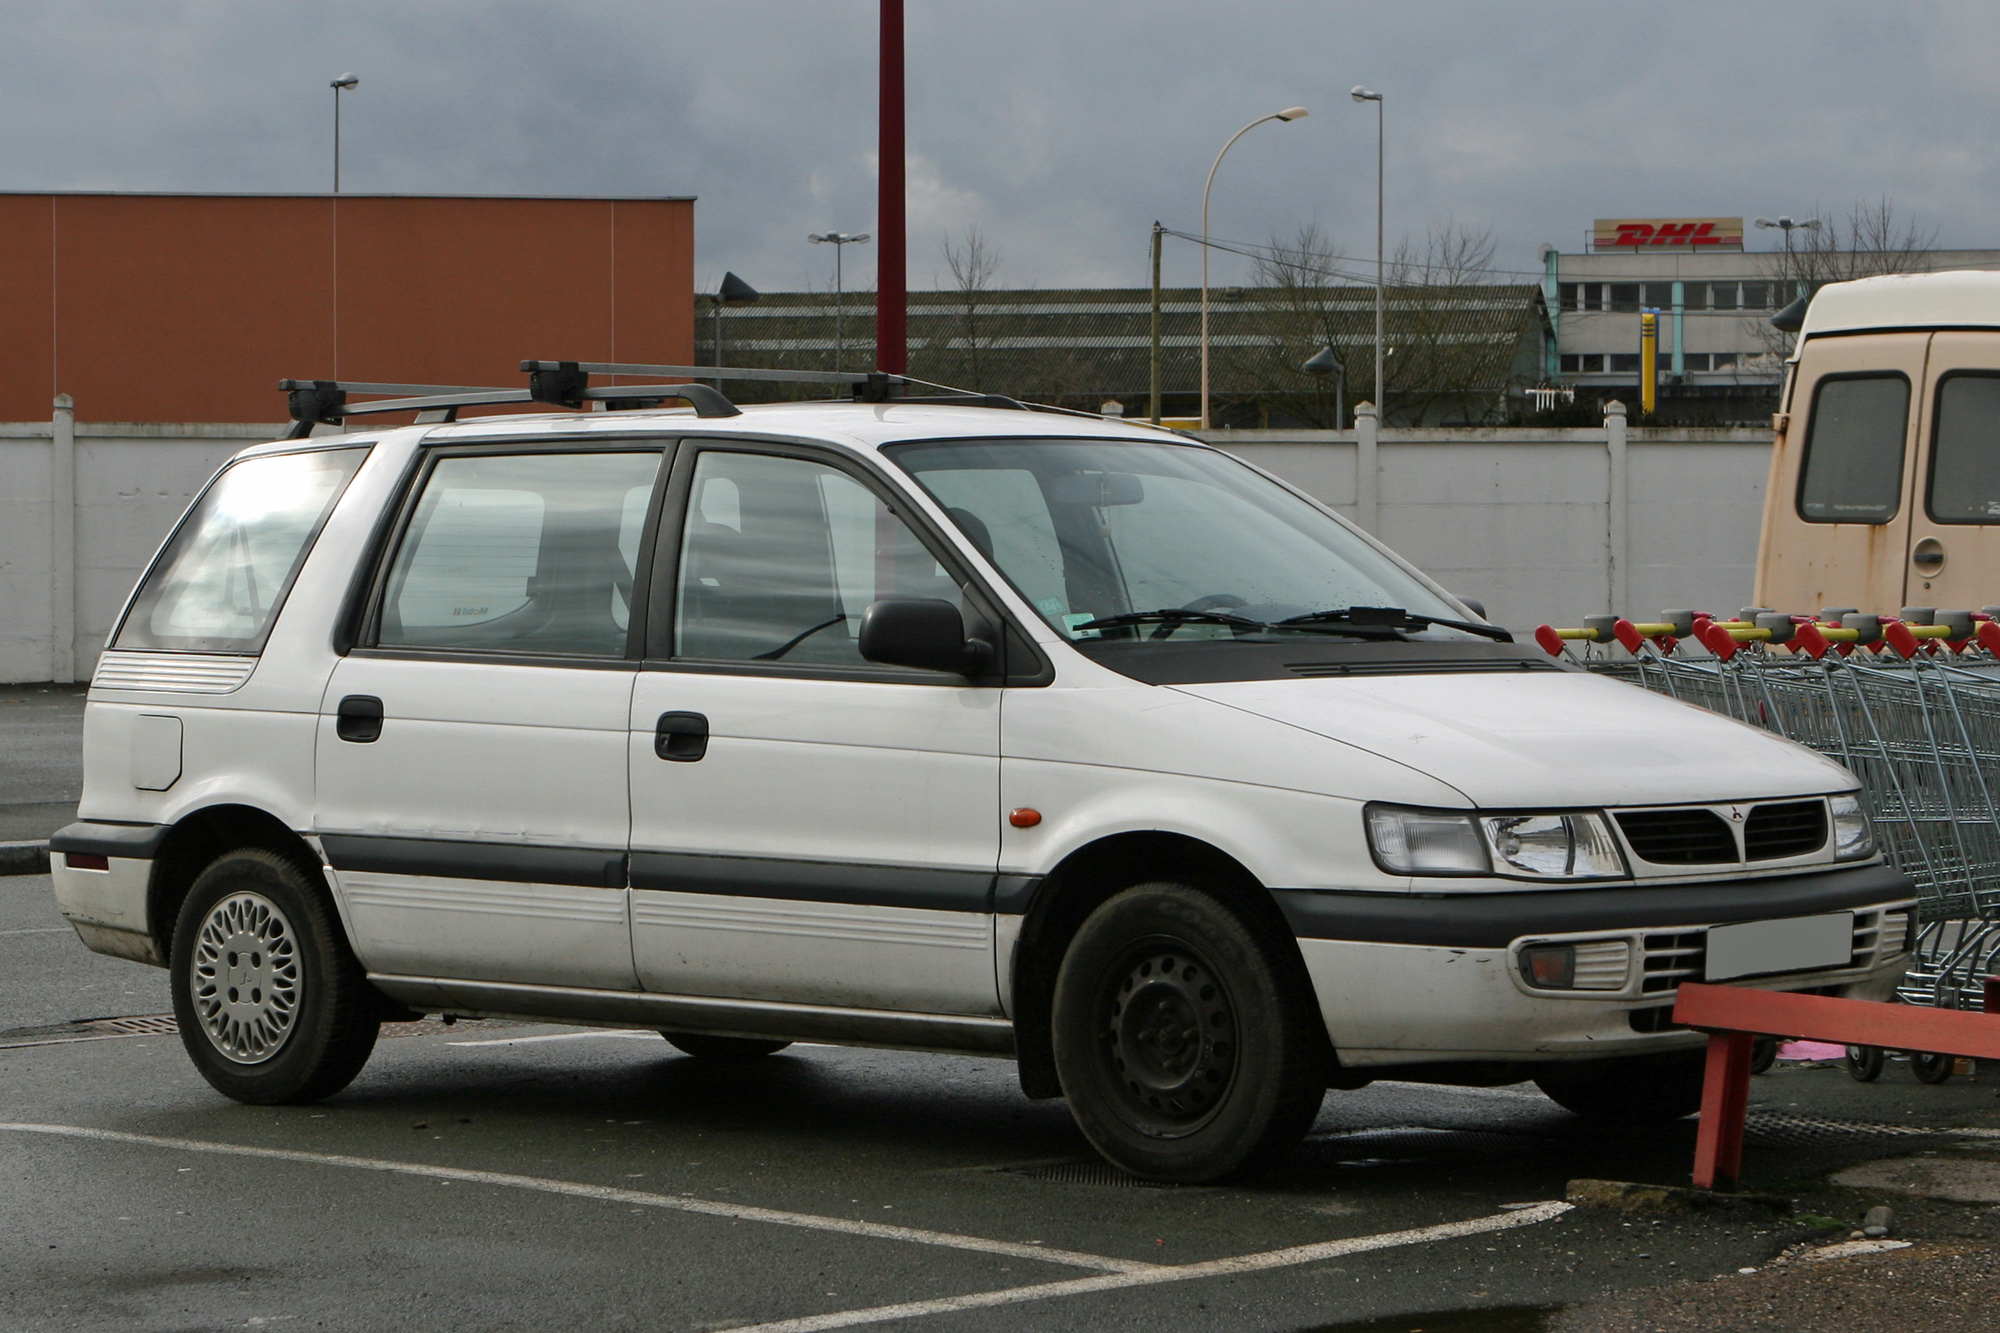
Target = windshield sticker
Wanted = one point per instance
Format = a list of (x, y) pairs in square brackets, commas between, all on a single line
[(1075, 618)]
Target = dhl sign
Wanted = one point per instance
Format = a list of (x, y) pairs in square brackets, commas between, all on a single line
[(1658, 233)]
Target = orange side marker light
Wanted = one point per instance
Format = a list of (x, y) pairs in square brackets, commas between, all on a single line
[(1024, 817)]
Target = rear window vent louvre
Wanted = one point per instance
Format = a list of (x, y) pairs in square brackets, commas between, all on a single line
[(1792, 828), (1679, 837)]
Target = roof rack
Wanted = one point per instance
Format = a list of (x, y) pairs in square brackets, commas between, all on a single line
[(567, 384)]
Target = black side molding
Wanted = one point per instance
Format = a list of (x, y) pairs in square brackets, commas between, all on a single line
[(815, 881), (1494, 920), (139, 842), (512, 863)]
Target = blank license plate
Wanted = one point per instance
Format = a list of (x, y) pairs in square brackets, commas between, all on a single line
[(1795, 944)]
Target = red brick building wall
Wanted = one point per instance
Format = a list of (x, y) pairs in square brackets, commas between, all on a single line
[(192, 307)]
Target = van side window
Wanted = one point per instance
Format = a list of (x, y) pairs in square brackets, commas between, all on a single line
[(1965, 451), (780, 557), (522, 554), (1853, 469), (220, 582)]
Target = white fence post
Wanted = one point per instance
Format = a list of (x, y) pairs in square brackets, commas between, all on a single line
[(1366, 471), (1617, 540), (62, 542)]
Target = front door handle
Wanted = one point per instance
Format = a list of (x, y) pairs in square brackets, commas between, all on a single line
[(681, 737), (358, 719)]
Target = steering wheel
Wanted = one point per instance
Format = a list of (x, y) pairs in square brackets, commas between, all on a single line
[(1216, 601)]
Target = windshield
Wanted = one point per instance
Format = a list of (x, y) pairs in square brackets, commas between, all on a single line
[(1177, 541)]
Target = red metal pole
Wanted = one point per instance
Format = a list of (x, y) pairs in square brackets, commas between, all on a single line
[(1725, 1097), (892, 301)]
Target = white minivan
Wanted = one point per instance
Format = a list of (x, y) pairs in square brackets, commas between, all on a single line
[(923, 725)]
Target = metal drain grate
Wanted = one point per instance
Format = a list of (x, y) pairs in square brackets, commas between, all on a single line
[(1772, 1127), (150, 1025), (1082, 1173)]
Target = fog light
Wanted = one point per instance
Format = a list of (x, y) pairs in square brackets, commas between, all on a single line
[(1549, 966)]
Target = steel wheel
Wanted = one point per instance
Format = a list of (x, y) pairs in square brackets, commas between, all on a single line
[(1864, 1063), (1930, 1068), (245, 980), (1169, 1035)]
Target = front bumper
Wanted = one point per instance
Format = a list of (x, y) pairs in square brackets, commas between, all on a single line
[(1403, 979)]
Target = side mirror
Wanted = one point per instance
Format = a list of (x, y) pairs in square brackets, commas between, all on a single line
[(921, 632), (1472, 604)]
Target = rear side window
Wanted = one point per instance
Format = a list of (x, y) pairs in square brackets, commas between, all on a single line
[(218, 585), (1853, 470), (521, 554), (1965, 451)]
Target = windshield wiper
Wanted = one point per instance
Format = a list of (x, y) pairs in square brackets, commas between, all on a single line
[(1395, 617), (1169, 616)]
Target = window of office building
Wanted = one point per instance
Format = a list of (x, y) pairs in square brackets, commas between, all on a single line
[(1659, 295), (1694, 361), (1571, 363), (1625, 296), (1723, 361), (1624, 361), (1722, 296), (1756, 296), (1566, 297)]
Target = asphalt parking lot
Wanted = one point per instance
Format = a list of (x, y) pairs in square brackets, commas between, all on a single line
[(486, 1175)]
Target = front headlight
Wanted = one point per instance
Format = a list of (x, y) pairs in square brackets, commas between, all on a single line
[(1563, 846), (1853, 839)]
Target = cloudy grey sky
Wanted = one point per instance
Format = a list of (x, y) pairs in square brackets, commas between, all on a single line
[(1060, 129)]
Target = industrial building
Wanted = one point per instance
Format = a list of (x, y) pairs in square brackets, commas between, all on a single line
[(1720, 362)]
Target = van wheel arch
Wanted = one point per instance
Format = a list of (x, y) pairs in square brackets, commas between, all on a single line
[(1084, 880), (193, 845)]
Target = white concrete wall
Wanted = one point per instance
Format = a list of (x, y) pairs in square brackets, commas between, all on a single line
[(1521, 520), (131, 483)]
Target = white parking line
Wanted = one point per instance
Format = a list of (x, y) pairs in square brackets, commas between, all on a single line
[(641, 1033), (607, 1194), (1243, 1263)]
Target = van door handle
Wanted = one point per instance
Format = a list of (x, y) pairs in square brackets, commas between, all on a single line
[(358, 719), (681, 737)]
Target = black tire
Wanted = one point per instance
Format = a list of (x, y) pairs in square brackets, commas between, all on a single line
[(1185, 1041), (303, 1018), (1931, 1068), (705, 1047), (1763, 1054), (1628, 1089), (1864, 1063)]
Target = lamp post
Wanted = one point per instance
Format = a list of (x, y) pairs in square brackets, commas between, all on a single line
[(839, 240), (1324, 363), (1289, 113), (1361, 94), (346, 83), (1789, 225)]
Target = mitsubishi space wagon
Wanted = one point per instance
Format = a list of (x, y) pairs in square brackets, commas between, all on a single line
[(949, 727)]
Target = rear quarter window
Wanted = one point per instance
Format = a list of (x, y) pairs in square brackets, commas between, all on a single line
[(226, 571), (1853, 468)]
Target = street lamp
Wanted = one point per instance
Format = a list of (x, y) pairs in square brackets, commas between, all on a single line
[(839, 240), (1361, 94), (1289, 113), (346, 83), (1324, 363)]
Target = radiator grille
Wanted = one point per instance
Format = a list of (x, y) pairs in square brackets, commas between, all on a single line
[(1791, 828), (1679, 837)]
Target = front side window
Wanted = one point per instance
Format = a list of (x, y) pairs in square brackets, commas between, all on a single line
[(529, 553), (1965, 451), (218, 585), (1853, 468), (781, 556), (1086, 530)]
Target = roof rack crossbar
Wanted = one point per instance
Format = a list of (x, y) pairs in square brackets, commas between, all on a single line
[(709, 372)]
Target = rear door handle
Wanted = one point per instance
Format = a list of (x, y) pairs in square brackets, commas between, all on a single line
[(358, 719), (681, 737)]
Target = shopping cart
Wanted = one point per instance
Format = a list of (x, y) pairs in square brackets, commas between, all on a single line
[(1909, 703)]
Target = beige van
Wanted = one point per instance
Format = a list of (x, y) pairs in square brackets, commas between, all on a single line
[(1885, 476)]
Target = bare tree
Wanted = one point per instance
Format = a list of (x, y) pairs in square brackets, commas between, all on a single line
[(1872, 239), (973, 262), (1306, 304), (1455, 340)]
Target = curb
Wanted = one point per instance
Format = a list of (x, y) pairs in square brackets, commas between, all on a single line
[(24, 858)]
